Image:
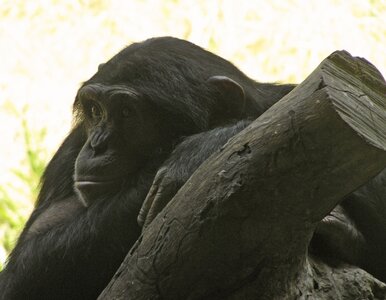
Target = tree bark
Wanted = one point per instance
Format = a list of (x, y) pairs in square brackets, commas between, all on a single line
[(243, 232)]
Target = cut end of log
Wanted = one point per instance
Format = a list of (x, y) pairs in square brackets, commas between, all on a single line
[(359, 96)]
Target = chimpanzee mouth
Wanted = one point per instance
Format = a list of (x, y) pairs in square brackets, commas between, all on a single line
[(90, 191), (79, 184), (95, 180), (86, 183)]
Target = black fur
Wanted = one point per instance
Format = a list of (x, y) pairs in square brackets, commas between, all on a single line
[(69, 251)]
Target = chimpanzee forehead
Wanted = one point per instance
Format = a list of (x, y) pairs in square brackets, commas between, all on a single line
[(98, 91), (154, 57)]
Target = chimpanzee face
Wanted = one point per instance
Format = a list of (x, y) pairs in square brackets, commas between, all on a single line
[(122, 133)]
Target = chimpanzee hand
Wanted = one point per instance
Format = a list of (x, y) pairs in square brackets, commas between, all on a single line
[(164, 187), (181, 164), (338, 235)]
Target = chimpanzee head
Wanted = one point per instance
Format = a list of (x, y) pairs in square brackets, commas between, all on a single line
[(142, 101)]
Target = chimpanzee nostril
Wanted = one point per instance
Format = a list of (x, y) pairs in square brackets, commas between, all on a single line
[(99, 141), (99, 148)]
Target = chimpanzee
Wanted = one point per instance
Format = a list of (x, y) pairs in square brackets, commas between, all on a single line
[(128, 118)]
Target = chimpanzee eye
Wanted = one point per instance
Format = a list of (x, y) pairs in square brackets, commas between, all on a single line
[(96, 112), (126, 112)]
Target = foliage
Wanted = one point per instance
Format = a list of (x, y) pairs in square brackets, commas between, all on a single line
[(13, 214)]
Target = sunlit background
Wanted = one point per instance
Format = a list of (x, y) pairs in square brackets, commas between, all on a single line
[(48, 47)]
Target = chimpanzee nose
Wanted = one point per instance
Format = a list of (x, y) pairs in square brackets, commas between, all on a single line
[(99, 140)]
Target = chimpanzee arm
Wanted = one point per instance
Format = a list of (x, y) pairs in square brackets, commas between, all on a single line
[(367, 207), (90, 239), (63, 239), (355, 231), (25, 265), (57, 181), (181, 164)]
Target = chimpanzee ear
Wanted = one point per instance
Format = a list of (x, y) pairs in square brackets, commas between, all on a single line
[(232, 93), (100, 66)]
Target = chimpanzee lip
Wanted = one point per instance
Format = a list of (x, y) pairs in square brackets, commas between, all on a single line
[(80, 183), (88, 183), (94, 180), (90, 190)]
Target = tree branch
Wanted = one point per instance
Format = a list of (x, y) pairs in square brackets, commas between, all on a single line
[(240, 227)]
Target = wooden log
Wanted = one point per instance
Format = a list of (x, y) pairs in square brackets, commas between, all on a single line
[(243, 231)]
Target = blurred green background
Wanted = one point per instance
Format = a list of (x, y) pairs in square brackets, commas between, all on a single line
[(48, 47)]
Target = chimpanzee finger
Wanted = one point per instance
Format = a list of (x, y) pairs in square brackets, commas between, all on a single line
[(146, 205), (165, 193), (334, 233)]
